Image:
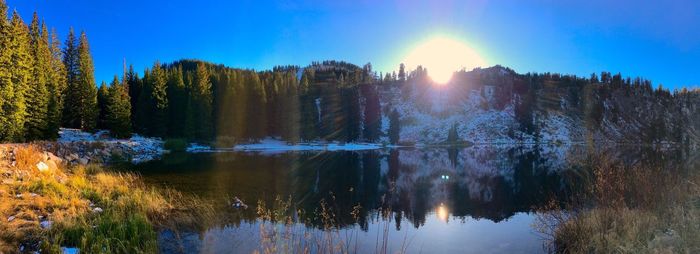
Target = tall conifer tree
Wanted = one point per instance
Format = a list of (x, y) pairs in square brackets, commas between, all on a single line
[(201, 104), (177, 102), (71, 110), (56, 86), (37, 96), (6, 87), (394, 127), (158, 100), (118, 110), (102, 94), (86, 86), (21, 64)]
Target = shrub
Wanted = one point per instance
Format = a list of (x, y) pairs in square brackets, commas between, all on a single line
[(27, 157)]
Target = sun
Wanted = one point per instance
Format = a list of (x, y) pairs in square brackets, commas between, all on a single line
[(442, 56)]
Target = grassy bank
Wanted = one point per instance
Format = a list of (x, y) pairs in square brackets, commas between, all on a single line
[(86, 207), (639, 208)]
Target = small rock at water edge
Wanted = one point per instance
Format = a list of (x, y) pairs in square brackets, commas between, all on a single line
[(237, 203)]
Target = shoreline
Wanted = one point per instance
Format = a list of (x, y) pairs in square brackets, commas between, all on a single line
[(272, 146)]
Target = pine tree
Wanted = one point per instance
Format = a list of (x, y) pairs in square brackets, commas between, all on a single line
[(37, 96), (331, 114), (158, 99), (394, 127), (21, 64), (177, 102), (307, 100), (102, 95), (240, 104), (134, 85), (402, 72), (225, 108), (256, 107), (118, 110), (199, 108), (7, 92), (350, 106), (372, 114), (71, 111), (87, 89), (289, 109), (56, 86)]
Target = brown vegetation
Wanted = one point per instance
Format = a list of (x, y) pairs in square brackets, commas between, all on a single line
[(627, 209), (83, 206)]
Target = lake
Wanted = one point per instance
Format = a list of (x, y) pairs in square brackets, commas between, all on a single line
[(479, 199)]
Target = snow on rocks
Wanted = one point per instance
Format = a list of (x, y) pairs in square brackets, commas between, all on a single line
[(476, 120), (80, 147), (42, 167)]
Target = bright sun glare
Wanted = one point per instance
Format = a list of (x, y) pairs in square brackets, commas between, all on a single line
[(443, 56)]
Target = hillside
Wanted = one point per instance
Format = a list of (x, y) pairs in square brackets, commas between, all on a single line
[(497, 105)]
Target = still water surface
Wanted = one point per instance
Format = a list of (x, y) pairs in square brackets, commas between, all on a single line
[(467, 200)]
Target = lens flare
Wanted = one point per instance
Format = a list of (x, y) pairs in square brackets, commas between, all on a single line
[(442, 56)]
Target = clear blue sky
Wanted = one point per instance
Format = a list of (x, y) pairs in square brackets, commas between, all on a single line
[(659, 40)]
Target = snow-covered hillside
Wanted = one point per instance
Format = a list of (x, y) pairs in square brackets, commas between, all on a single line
[(490, 106)]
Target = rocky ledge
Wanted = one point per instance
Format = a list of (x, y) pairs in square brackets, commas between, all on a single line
[(78, 147)]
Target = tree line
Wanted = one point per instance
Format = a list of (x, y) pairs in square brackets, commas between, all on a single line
[(201, 101), (45, 85)]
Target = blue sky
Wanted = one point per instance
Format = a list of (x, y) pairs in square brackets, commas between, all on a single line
[(659, 40)]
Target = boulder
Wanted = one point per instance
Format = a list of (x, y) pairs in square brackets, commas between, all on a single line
[(53, 165), (72, 157), (83, 161)]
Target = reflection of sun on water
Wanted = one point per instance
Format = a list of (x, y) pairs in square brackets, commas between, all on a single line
[(443, 56), (442, 212)]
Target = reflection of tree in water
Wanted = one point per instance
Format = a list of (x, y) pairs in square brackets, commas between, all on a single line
[(478, 182), (482, 184)]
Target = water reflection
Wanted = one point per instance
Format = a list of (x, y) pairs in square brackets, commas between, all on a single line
[(421, 187), (442, 212)]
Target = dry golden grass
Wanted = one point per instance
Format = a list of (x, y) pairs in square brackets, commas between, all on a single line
[(68, 195), (627, 209)]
